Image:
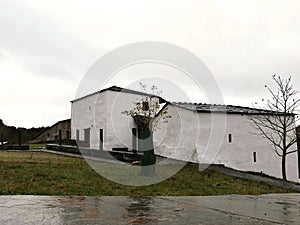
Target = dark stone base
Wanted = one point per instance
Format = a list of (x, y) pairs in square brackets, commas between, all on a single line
[(14, 147)]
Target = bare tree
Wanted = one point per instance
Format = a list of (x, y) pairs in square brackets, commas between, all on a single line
[(277, 121)]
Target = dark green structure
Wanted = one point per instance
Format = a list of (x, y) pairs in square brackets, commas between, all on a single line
[(145, 144)]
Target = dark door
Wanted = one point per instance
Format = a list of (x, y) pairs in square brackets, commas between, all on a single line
[(87, 137)]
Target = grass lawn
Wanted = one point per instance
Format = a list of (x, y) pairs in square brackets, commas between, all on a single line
[(33, 146), (38, 173)]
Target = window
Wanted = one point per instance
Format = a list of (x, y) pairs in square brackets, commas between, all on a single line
[(254, 156), (229, 138), (87, 137), (101, 139), (145, 106)]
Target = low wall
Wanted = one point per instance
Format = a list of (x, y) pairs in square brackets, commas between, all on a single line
[(14, 147), (119, 155)]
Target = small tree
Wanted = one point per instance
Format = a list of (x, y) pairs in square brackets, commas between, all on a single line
[(277, 121)]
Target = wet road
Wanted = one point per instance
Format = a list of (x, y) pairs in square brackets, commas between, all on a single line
[(233, 209)]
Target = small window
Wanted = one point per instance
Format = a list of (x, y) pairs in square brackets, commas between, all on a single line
[(229, 138), (101, 139), (145, 106), (254, 156)]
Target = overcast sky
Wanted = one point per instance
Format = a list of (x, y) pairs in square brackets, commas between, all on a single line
[(46, 47)]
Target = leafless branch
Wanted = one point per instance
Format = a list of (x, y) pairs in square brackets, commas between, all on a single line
[(278, 126)]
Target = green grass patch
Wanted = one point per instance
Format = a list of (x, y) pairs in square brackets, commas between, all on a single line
[(35, 146), (38, 173)]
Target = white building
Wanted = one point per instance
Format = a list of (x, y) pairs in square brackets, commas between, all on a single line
[(201, 133)]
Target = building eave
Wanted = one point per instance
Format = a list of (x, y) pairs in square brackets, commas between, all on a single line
[(119, 89), (227, 109)]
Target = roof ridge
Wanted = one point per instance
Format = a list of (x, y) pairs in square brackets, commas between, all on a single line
[(206, 107), (120, 89)]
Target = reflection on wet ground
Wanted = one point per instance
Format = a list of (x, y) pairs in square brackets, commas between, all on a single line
[(233, 209)]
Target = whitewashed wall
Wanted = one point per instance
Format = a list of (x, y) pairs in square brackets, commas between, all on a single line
[(239, 153), (82, 116), (118, 132), (178, 141), (184, 137), (105, 110)]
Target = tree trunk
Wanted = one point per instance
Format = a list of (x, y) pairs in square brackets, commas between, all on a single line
[(145, 144), (283, 167), (148, 158)]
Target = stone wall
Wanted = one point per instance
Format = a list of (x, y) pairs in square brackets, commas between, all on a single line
[(52, 133)]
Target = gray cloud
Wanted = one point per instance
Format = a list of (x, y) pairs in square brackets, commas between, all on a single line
[(243, 44), (39, 41), (2, 57)]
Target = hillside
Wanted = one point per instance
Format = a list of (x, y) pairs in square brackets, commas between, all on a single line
[(11, 133), (52, 133), (35, 135)]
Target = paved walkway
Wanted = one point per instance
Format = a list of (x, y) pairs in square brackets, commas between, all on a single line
[(233, 209), (80, 156)]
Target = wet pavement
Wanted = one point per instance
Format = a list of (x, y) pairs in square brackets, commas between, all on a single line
[(232, 209)]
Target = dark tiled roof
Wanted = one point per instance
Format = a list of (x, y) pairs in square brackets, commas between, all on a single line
[(119, 89), (230, 109), (125, 90), (199, 107)]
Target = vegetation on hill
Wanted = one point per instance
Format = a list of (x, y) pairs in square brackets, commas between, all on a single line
[(11, 133), (41, 173), (35, 135)]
